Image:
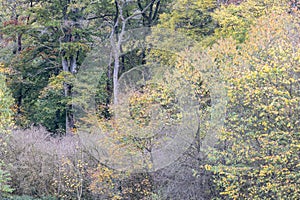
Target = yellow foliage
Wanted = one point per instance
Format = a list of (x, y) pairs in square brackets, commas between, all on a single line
[(261, 137)]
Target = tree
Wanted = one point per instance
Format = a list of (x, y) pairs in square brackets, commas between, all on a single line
[(234, 20), (117, 38), (6, 105), (258, 153), (150, 16), (6, 123), (190, 17), (55, 37)]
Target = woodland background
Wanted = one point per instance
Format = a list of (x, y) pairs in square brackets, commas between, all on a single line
[(252, 44)]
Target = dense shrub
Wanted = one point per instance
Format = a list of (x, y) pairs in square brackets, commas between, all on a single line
[(6, 122), (41, 165)]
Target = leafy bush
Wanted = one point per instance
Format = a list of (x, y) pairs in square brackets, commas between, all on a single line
[(4, 182), (25, 197), (6, 102)]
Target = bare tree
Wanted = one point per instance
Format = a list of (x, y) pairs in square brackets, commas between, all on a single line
[(117, 39)]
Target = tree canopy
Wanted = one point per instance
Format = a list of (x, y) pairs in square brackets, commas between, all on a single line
[(153, 99)]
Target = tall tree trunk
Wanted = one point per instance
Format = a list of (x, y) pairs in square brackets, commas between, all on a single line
[(117, 54), (69, 66), (117, 45), (116, 78)]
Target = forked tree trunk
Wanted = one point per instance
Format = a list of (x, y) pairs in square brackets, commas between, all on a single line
[(116, 44)]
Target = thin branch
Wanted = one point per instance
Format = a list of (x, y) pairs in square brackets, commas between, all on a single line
[(140, 13), (99, 17), (155, 15), (141, 8)]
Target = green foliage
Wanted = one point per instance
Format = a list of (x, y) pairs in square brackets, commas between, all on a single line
[(51, 103), (190, 17), (6, 123), (103, 96), (5, 188), (41, 35), (25, 197), (6, 104), (254, 44), (235, 20)]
